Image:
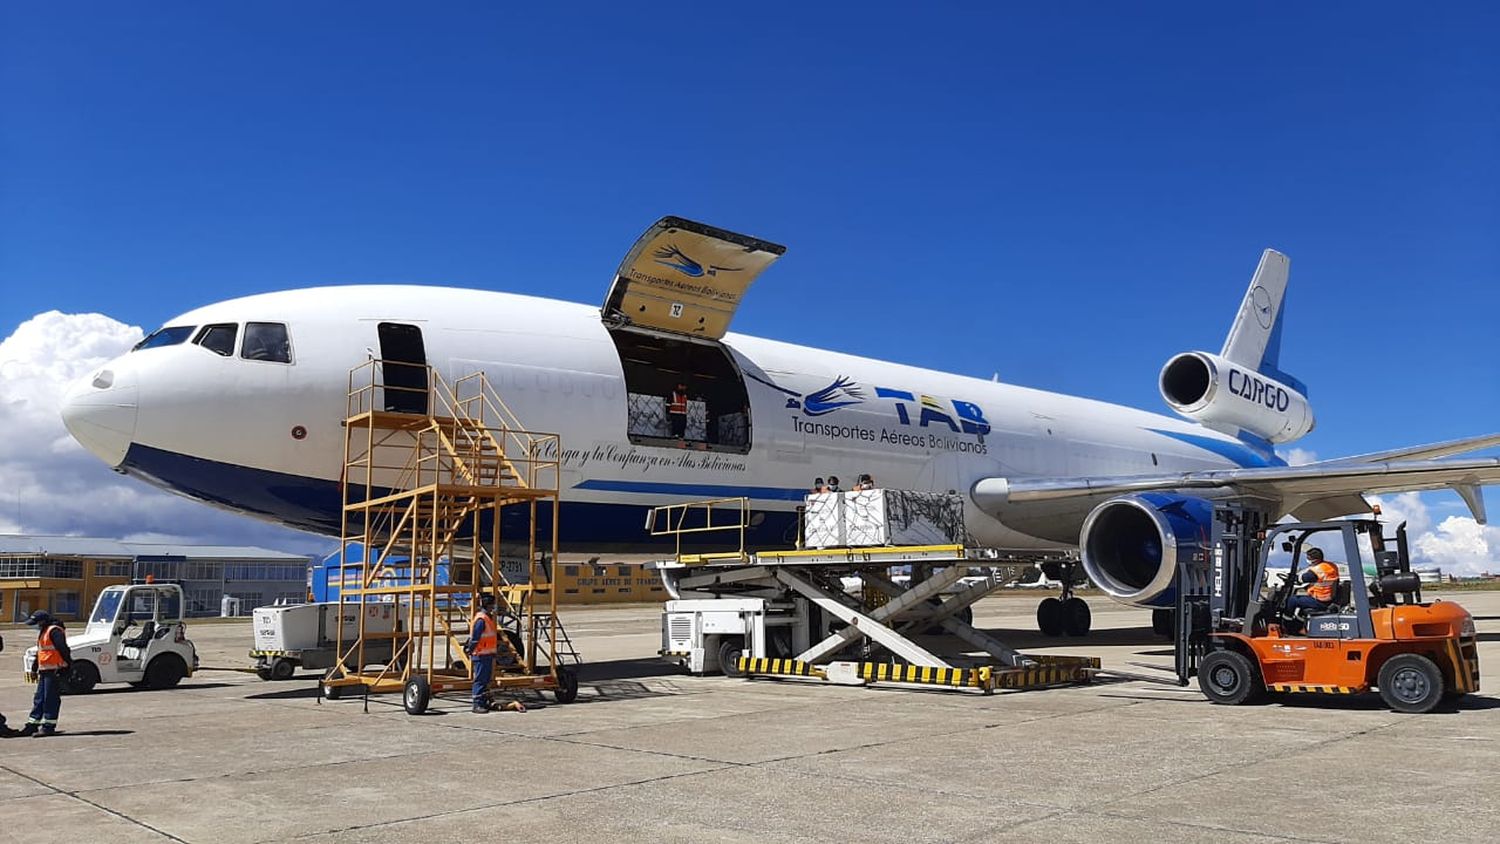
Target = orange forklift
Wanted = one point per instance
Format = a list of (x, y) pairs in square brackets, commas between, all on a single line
[(1236, 634)]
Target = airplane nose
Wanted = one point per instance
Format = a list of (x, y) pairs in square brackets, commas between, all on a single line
[(99, 410)]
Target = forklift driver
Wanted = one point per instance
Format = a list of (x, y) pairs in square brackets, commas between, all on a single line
[(1323, 579)]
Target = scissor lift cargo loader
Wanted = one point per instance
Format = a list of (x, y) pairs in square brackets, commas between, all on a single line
[(787, 613)]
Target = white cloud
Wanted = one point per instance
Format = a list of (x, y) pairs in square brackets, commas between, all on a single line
[(50, 485), (1299, 456), (1457, 544)]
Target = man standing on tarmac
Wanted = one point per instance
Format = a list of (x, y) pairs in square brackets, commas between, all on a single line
[(484, 644), (52, 659)]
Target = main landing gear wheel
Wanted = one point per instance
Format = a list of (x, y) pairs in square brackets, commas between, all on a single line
[(729, 658), (1410, 683), (1161, 622), (1050, 618), (1229, 678), (1076, 617), (416, 695)]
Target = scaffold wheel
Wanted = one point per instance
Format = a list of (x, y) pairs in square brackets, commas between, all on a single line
[(567, 685), (416, 695)]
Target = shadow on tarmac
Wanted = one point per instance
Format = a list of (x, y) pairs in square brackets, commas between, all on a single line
[(130, 690)]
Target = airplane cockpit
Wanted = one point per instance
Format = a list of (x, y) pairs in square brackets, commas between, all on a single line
[(263, 341)]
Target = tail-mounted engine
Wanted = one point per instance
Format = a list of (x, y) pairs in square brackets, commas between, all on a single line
[(1215, 392)]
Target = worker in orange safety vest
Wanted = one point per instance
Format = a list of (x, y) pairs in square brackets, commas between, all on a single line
[(677, 408), (53, 658), (1322, 578), (482, 648)]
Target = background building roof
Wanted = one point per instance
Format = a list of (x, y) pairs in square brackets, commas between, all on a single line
[(87, 546)]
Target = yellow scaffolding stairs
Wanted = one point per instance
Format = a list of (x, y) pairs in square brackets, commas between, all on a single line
[(426, 498)]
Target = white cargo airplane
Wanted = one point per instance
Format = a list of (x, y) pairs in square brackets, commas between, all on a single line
[(239, 404)]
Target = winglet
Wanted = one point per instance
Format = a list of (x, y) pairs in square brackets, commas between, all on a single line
[(1474, 498)]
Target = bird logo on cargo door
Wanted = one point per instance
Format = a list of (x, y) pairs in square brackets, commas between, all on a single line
[(671, 256)]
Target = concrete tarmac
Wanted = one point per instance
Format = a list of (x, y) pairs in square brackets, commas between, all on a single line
[(648, 753)]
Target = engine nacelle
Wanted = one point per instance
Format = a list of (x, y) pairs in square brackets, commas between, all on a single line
[(1213, 391), (1131, 545)]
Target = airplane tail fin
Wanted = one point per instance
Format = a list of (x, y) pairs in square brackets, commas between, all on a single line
[(1254, 340)]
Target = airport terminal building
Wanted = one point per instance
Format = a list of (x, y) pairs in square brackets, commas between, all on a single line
[(64, 574)]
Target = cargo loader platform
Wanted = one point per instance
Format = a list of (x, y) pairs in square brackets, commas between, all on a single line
[(794, 614)]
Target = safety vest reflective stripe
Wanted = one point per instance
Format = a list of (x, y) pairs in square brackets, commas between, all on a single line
[(48, 657), (1328, 578), (678, 404), (489, 640)]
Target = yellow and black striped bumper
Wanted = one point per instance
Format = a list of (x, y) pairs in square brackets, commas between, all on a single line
[(1296, 688), (778, 667)]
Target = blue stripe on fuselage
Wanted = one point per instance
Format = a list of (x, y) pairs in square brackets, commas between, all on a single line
[(1241, 453), (761, 493), (313, 504)]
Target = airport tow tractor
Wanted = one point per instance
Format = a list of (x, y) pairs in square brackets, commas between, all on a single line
[(136, 634), (1235, 634)]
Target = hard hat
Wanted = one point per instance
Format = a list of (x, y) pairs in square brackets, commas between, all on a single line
[(39, 618)]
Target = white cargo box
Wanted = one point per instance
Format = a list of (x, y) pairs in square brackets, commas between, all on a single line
[(306, 626), (902, 517), (823, 520)]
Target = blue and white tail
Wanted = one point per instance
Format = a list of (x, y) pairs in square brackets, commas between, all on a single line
[(1242, 390)]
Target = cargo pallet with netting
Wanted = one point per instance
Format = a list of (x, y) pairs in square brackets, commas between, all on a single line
[(430, 472)]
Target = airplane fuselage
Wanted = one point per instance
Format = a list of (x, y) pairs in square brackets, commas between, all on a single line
[(264, 437)]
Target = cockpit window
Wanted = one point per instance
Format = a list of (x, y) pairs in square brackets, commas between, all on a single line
[(266, 341), (218, 338), (169, 336)]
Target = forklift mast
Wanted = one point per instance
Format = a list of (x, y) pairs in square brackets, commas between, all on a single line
[(1221, 590)]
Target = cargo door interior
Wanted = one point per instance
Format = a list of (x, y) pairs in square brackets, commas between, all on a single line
[(668, 310)]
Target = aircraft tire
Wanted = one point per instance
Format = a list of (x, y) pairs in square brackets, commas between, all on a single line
[(1049, 617), (1076, 617), (1410, 683)]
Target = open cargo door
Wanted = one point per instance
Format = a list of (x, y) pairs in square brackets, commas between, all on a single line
[(686, 278)]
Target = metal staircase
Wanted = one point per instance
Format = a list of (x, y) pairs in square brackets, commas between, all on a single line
[(428, 499)]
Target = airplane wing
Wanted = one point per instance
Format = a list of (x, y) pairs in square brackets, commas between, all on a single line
[(1317, 490), (1422, 452)]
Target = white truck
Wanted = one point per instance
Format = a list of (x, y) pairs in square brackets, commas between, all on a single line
[(288, 637), (136, 635)]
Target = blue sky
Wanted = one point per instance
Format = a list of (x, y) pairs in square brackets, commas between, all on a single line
[(1066, 194)]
